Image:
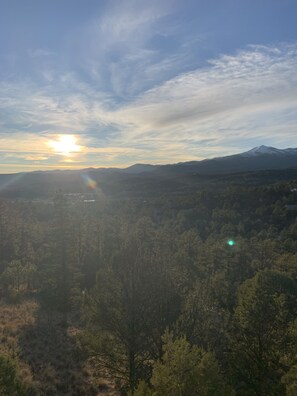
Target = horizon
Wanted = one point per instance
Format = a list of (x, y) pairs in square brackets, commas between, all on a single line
[(141, 163), (112, 85)]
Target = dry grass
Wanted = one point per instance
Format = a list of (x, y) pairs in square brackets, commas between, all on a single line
[(50, 361)]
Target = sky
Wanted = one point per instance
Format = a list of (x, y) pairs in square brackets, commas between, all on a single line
[(110, 83)]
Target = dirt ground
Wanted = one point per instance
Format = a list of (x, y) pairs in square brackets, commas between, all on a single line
[(48, 356)]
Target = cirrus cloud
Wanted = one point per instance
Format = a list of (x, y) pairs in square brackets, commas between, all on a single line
[(224, 107)]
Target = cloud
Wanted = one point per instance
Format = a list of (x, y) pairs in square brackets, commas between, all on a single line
[(120, 49), (39, 52), (238, 100), (251, 92), (25, 156), (35, 158)]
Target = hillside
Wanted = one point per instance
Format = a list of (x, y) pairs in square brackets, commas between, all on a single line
[(257, 166)]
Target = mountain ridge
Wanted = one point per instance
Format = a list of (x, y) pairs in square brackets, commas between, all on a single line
[(258, 158), (148, 177), (258, 151)]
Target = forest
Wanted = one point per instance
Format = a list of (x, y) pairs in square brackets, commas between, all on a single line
[(171, 295)]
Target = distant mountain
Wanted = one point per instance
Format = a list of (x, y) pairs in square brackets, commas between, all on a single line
[(256, 159), (255, 165), (264, 150), (140, 168)]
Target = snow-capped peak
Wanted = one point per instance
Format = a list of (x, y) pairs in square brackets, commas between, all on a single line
[(260, 150)]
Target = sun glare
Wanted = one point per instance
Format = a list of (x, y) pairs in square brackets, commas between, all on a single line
[(65, 145)]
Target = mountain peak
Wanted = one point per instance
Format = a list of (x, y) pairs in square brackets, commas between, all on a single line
[(139, 168), (259, 150)]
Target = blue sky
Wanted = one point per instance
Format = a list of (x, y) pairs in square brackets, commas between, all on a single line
[(144, 81)]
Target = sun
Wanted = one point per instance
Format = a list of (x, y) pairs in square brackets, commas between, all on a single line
[(65, 145)]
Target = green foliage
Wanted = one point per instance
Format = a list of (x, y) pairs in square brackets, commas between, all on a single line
[(125, 270), (9, 381), (130, 307), (58, 274), (14, 275), (187, 370), (266, 304), (143, 389), (289, 379)]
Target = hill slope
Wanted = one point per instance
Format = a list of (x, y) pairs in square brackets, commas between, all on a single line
[(141, 179)]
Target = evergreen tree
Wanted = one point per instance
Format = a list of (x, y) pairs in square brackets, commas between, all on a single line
[(10, 383), (266, 305), (186, 370), (129, 308)]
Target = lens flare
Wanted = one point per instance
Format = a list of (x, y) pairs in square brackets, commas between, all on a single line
[(11, 180), (231, 242), (90, 183)]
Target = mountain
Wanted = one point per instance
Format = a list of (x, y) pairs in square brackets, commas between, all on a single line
[(255, 165), (264, 150), (140, 168), (257, 159)]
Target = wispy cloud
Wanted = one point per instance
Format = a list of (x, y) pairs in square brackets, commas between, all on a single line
[(122, 50), (251, 93), (39, 52), (224, 107)]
